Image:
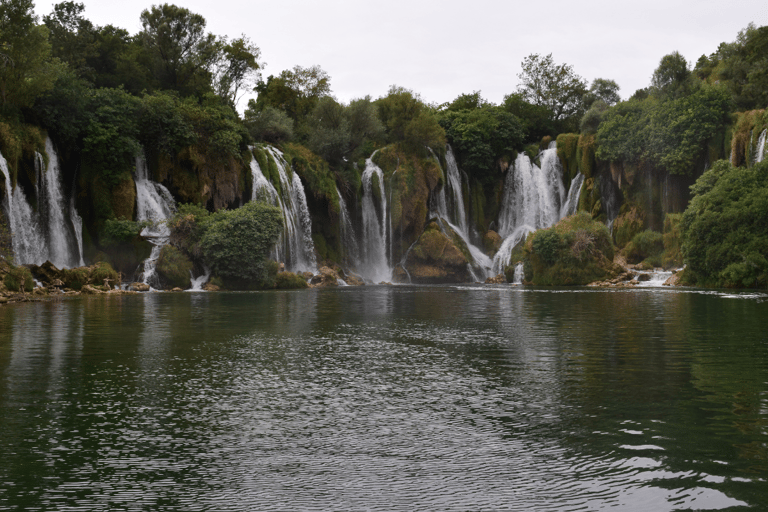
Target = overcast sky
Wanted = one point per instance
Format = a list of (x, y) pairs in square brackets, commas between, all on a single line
[(443, 49)]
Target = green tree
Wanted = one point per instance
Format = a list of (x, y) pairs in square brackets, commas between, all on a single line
[(537, 120), (183, 53), (72, 36), (672, 78), (268, 123), (237, 69), (26, 68), (554, 86), (603, 89)]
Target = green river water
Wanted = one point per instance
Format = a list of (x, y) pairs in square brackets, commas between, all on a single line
[(387, 398)]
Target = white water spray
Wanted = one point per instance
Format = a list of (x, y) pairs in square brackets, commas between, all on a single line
[(374, 264), (154, 203)]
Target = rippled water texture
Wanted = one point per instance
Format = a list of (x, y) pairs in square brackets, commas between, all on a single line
[(382, 398)]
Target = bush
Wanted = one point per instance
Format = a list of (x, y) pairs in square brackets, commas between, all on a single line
[(101, 271), (19, 279), (120, 231), (575, 251), (725, 228), (235, 243), (289, 280), (672, 255), (175, 267), (645, 244)]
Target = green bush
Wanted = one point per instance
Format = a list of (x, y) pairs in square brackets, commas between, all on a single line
[(19, 279), (645, 244), (725, 228), (289, 280), (235, 243), (575, 251), (175, 267), (103, 270), (120, 231)]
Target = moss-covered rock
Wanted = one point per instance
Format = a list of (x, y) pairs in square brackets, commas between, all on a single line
[(491, 242), (437, 258), (124, 198), (630, 222), (646, 245), (672, 257), (19, 279), (290, 281), (175, 267)]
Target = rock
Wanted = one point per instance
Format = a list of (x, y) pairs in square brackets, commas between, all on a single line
[(491, 243), (139, 287), (437, 258), (326, 277), (177, 289), (210, 287), (306, 275), (499, 279), (281, 267), (355, 281), (643, 277), (674, 280), (40, 291), (88, 289)]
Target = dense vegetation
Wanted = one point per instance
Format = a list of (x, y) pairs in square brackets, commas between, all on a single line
[(169, 94)]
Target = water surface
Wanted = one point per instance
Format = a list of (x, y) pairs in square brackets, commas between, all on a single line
[(386, 398)]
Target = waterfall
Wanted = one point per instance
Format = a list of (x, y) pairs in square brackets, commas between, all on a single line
[(294, 247), (54, 231), (347, 231), (533, 198), (572, 201), (198, 282), (374, 264), (456, 198), (519, 274), (154, 203), (760, 154)]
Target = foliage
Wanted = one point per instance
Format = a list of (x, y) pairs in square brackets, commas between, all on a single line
[(290, 281), (725, 228), (102, 272), (602, 89), (268, 124), (19, 279), (235, 243), (646, 244), (537, 120), (408, 119), (237, 69), (315, 175), (669, 134), (187, 227), (629, 222), (120, 231), (672, 78), (575, 251), (672, 256), (481, 136), (175, 267), (26, 67), (554, 86)]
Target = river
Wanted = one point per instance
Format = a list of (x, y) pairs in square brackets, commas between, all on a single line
[(387, 398)]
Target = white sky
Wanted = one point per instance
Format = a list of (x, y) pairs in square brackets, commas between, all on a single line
[(443, 49)]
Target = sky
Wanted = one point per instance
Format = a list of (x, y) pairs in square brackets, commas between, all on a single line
[(443, 49)]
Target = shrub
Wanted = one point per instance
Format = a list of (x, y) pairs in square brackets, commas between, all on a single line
[(577, 250), (175, 267), (103, 270), (725, 228), (120, 231), (19, 279), (235, 243), (289, 280), (644, 245)]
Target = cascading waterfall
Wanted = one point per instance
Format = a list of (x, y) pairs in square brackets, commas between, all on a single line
[(154, 203), (348, 236), (533, 198), (54, 231), (760, 153), (294, 247), (374, 265), (456, 198), (572, 201)]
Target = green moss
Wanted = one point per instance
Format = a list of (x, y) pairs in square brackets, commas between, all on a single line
[(75, 278), (673, 255), (175, 267), (644, 245), (102, 272), (290, 281), (19, 279), (630, 222), (567, 147), (585, 154), (316, 176)]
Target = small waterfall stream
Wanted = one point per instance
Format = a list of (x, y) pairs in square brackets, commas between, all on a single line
[(572, 201), (374, 265), (54, 231), (294, 247), (347, 231), (760, 152), (154, 203)]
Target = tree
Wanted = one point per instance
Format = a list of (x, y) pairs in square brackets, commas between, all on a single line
[(268, 124), (237, 69), (554, 86), (72, 36), (183, 53), (537, 120), (605, 90), (26, 68), (671, 78)]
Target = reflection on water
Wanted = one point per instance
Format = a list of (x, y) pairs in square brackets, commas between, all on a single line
[(382, 398)]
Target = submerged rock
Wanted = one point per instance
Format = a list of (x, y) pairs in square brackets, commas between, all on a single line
[(499, 279), (139, 287)]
